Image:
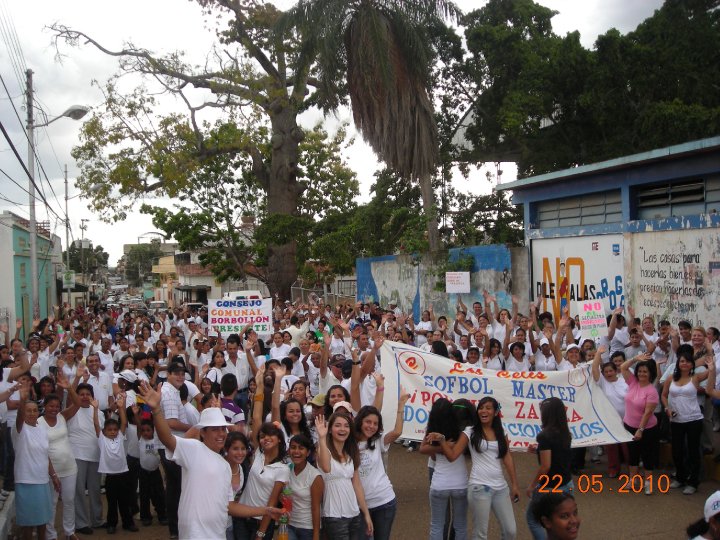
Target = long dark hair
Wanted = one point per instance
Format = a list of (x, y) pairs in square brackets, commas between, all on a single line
[(328, 410), (554, 419), (350, 446), (478, 434), (233, 437), (439, 347), (302, 425), (363, 413), (686, 352), (442, 420), (268, 428)]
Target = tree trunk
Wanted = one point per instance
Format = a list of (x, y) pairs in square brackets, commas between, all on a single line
[(283, 192), (428, 200)]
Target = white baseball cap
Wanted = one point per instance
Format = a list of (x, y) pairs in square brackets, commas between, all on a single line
[(712, 505), (544, 341), (129, 375)]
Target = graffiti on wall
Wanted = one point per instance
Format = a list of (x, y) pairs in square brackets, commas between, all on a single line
[(411, 284), (567, 270), (675, 275)]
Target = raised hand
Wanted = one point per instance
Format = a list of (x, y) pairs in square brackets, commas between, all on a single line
[(321, 427), (260, 375), (18, 324), (151, 397), (120, 399), (379, 378), (96, 404)]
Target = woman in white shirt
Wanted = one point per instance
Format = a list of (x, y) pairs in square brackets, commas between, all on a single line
[(63, 460), (449, 480), (339, 460), (33, 469), (494, 358), (307, 487), (615, 388), (269, 472), (372, 442), (487, 488)]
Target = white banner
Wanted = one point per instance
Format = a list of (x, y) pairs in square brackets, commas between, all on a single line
[(228, 316), (428, 377), (457, 282)]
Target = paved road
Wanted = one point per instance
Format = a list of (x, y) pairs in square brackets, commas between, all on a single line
[(607, 515)]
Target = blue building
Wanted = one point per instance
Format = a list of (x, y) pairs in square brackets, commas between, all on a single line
[(641, 230)]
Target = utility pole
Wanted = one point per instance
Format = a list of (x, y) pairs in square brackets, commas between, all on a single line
[(67, 233), (34, 278), (83, 228)]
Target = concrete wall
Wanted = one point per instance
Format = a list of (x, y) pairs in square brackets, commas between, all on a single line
[(674, 275), (411, 283)]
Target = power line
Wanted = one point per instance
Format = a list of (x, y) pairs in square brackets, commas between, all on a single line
[(36, 157), (22, 163)]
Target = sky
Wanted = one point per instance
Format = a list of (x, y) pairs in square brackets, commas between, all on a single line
[(65, 79)]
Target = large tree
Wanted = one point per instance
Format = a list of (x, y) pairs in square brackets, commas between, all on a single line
[(86, 259), (379, 53), (258, 69)]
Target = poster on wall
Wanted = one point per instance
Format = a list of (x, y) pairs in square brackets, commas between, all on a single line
[(675, 275), (457, 282), (571, 269)]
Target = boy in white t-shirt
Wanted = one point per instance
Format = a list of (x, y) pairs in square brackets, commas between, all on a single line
[(113, 463), (151, 482)]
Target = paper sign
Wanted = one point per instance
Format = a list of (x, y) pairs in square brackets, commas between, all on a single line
[(232, 316), (68, 278), (457, 282), (593, 323)]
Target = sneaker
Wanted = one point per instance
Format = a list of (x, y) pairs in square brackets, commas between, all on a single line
[(716, 426), (689, 490), (676, 484)]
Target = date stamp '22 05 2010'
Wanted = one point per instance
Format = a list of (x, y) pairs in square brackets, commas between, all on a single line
[(597, 483)]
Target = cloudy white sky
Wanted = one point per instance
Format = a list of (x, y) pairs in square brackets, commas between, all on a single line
[(163, 26)]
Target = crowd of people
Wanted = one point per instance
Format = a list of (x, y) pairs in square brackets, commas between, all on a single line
[(282, 434)]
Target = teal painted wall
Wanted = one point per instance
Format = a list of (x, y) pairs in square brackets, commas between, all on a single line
[(22, 277)]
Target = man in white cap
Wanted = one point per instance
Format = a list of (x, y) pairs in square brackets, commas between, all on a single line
[(206, 476)]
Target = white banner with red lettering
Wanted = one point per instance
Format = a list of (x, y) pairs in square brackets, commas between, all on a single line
[(428, 377)]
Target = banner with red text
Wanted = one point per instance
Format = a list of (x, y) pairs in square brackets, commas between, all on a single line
[(229, 316), (428, 377)]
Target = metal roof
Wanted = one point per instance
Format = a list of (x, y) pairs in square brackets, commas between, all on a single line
[(702, 145)]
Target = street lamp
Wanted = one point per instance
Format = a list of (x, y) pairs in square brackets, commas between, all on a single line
[(76, 112)]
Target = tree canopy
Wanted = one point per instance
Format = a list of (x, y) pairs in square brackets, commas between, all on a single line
[(548, 103)]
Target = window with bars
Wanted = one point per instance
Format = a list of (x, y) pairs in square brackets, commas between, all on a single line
[(683, 198), (588, 209)]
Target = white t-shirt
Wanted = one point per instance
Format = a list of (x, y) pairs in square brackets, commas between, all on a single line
[(112, 454), (61, 454), (615, 392), (545, 363), (301, 515), (486, 468), (327, 381), (620, 339), (132, 447), (241, 369), (278, 353), (81, 432), (449, 474), (149, 456), (376, 484), (102, 388), (106, 359), (31, 454), (206, 490), (261, 481), (421, 340), (511, 364), (313, 377), (339, 500)]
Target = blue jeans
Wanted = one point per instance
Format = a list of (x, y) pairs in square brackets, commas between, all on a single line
[(297, 533), (536, 529), (483, 499), (382, 517), (438, 504)]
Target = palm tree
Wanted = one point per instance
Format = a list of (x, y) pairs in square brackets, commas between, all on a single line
[(378, 52)]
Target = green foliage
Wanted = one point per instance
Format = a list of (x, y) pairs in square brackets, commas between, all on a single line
[(451, 262), (88, 259), (548, 103), (224, 190), (139, 261)]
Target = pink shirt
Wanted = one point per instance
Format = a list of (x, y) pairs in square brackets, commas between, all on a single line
[(636, 399)]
